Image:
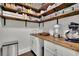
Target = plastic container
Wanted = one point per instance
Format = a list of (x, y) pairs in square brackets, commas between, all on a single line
[(68, 10), (76, 6)]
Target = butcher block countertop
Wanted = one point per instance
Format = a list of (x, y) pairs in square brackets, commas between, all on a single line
[(59, 41)]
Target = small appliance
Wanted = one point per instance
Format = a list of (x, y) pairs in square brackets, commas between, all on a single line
[(73, 33)]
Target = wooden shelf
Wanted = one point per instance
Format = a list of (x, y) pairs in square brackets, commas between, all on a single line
[(33, 15), (9, 9), (28, 7), (62, 16), (60, 7), (13, 10), (12, 18), (19, 19)]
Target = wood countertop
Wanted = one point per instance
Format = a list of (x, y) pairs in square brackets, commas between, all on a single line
[(59, 41)]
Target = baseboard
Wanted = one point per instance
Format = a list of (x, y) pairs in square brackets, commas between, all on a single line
[(24, 50)]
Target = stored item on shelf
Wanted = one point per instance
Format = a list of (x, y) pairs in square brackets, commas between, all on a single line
[(38, 19), (24, 9), (27, 17), (48, 16), (23, 15), (10, 14), (42, 12), (76, 6), (19, 9), (52, 15), (42, 18), (29, 10), (8, 5), (53, 6), (49, 7), (68, 10), (60, 12), (12, 6), (32, 12)]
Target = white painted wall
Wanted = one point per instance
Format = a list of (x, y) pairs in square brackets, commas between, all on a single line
[(14, 23), (32, 25), (20, 34), (64, 22)]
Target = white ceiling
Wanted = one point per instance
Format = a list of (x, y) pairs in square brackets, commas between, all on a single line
[(37, 5)]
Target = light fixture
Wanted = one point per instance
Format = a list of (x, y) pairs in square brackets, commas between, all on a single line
[(56, 29)]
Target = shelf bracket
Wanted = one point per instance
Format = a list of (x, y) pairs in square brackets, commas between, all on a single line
[(4, 21), (39, 24), (25, 23), (57, 21), (3, 17), (43, 24)]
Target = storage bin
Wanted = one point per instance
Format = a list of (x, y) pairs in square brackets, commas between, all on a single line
[(9, 48), (15, 15), (52, 15), (13, 6), (68, 10), (61, 12), (8, 5), (76, 6)]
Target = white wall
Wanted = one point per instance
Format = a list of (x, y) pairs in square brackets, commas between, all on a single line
[(64, 22), (20, 34), (32, 25), (14, 23)]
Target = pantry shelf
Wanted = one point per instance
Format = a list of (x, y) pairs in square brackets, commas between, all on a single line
[(60, 7), (76, 12), (19, 19), (15, 11)]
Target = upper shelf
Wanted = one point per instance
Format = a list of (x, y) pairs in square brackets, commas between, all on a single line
[(28, 7), (60, 7), (19, 19), (13, 10), (62, 16)]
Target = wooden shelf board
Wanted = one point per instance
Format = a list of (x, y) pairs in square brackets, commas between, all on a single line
[(62, 16), (31, 15), (13, 10), (9, 9), (60, 7), (13, 18)]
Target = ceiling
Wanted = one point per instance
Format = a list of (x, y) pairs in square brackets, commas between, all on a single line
[(36, 5)]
